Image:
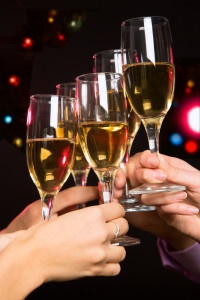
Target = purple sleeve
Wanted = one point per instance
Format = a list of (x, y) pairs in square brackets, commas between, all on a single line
[(186, 261)]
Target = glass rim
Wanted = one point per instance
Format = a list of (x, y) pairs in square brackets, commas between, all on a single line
[(88, 77), (45, 97), (107, 51), (143, 17), (63, 84)]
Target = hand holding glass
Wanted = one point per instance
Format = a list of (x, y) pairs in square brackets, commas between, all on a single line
[(149, 74), (103, 127), (111, 61)]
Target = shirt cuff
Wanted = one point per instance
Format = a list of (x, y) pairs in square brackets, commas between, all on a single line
[(186, 261)]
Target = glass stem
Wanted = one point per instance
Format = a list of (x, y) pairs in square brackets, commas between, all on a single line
[(123, 166), (106, 180), (47, 206), (128, 150), (80, 179), (153, 131)]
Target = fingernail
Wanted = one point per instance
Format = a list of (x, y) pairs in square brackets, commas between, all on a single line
[(193, 210), (181, 196), (160, 176)]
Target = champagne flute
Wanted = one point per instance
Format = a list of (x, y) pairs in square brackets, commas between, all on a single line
[(50, 144), (103, 129), (66, 89), (111, 61), (149, 74), (81, 168)]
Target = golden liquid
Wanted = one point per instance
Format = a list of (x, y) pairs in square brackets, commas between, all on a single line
[(104, 143), (150, 88), (81, 166), (49, 162), (80, 162), (133, 123)]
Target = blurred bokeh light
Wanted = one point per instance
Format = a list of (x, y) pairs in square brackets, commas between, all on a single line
[(180, 132)]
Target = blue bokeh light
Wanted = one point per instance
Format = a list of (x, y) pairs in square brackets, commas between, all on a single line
[(8, 119), (176, 139)]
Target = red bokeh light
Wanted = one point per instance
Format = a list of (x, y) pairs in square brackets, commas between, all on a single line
[(14, 80), (61, 37), (27, 43), (191, 146)]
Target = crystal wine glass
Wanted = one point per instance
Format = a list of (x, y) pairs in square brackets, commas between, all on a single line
[(50, 144), (149, 74), (111, 61), (103, 129), (81, 168), (66, 89)]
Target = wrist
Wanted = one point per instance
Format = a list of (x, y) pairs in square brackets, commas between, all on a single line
[(179, 241), (20, 273)]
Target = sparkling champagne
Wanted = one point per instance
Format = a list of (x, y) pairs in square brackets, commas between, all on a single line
[(81, 166), (49, 162), (133, 127), (150, 88), (104, 143), (133, 124)]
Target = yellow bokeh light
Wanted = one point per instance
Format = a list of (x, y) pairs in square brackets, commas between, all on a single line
[(18, 142), (190, 83)]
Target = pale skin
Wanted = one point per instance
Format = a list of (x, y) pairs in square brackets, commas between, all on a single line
[(70, 246), (177, 217)]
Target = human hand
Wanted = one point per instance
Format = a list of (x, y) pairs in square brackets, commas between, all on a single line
[(66, 200), (6, 238), (78, 243), (177, 209), (74, 245)]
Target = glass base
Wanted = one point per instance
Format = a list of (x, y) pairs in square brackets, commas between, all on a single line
[(151, 188), (125, 240), (140, 207), (131, 204)]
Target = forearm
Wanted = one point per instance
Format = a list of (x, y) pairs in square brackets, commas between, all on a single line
[(19, 274)]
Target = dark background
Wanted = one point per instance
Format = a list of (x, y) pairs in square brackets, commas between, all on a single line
[(142, 274), (97, 28)]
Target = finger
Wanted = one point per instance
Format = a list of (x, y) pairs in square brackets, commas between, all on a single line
[(150, 175), (118, 227), (75, 195), (177, 171), (153, 160), (120, 179), (149, 160), (176, 162), (110, 269), (119, 183), (116, 254), (163, 198), (178, 208), (112, 211), (6, 238)]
